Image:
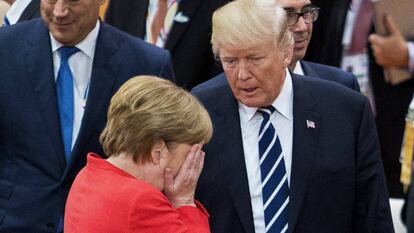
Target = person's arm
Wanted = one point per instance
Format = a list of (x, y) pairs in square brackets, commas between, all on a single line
[(371, 210), (392, 50)]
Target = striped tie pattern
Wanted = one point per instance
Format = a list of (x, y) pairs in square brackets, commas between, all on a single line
[(160, 19), (275, 189)]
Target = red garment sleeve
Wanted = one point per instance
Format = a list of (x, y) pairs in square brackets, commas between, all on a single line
[(153, 213)]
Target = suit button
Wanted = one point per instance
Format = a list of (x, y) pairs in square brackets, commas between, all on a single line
[(51, 226)]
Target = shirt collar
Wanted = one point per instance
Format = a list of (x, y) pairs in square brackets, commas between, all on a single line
[(283, 103), (87, 46), (298, 69), (16, 10)]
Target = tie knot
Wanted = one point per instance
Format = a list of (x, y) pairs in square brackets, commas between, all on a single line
[(267, 111), (66, 51)]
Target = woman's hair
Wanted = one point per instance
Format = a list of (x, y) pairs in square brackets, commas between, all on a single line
[(147, 110), (245, 23)]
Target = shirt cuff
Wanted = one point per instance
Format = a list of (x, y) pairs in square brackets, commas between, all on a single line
[(410, 46)]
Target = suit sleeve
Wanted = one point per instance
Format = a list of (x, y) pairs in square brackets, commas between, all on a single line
[(372, 210), (153, 213)]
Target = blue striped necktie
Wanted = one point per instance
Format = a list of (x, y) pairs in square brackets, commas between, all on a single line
[(64, 90), (275, 189)]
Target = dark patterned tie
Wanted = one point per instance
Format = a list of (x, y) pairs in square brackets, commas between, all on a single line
[(275, 188)]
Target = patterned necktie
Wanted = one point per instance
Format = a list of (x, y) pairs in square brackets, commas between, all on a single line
[(361, 28), (161, 22), (64, 90), (275, 189)]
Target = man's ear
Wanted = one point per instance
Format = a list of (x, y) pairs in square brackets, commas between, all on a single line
[(156, 151)]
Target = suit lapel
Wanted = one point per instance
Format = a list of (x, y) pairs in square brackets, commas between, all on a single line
[(308, 70), (304, 146), (39, 63), (186, 8), (103, 77), (232, 157), (33, 9)]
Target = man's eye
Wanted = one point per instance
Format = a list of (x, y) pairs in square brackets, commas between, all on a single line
[(230, 61), (256, 60)]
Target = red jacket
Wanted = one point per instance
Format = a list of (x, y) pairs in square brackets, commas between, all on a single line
[(106, 199)]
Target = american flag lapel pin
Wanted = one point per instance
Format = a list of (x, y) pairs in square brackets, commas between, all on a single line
[(310, 124)]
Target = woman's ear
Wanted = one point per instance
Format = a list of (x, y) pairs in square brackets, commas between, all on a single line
[(156, 152)]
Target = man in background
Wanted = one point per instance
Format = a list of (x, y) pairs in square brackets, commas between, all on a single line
[(58, 75), (395, 51), (301, 16), (181, 26)]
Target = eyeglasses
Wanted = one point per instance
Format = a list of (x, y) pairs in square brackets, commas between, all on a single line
[(309, 15)]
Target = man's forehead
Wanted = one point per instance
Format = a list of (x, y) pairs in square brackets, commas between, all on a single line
[(232, 50), (294, 4)]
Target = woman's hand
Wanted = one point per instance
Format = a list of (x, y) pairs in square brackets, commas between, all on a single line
[(180, 189)]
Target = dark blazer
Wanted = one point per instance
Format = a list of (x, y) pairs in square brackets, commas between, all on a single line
[(330, 73), (32, 11), (337, 181), (189, 43), (34, 176), (391, 102)]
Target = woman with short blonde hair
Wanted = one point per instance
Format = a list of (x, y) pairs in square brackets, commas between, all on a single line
[(153, 139)]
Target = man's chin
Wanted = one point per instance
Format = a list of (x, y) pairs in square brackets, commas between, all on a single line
[(299, 53)]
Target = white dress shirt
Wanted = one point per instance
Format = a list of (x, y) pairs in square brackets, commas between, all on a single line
[(80, 64), (16, 10), (298, 69), (250, 120)]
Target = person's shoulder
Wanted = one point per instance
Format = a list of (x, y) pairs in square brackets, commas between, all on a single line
[(326, 91), (21, 30), (328, 69), (332, 73)]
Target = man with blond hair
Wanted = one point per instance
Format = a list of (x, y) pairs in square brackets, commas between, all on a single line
[(289, 153)]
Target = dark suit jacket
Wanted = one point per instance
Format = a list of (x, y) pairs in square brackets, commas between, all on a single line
[(189, 43), (391, 101), (337, 181), (34, 176), (32, 11), (330, 73)]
